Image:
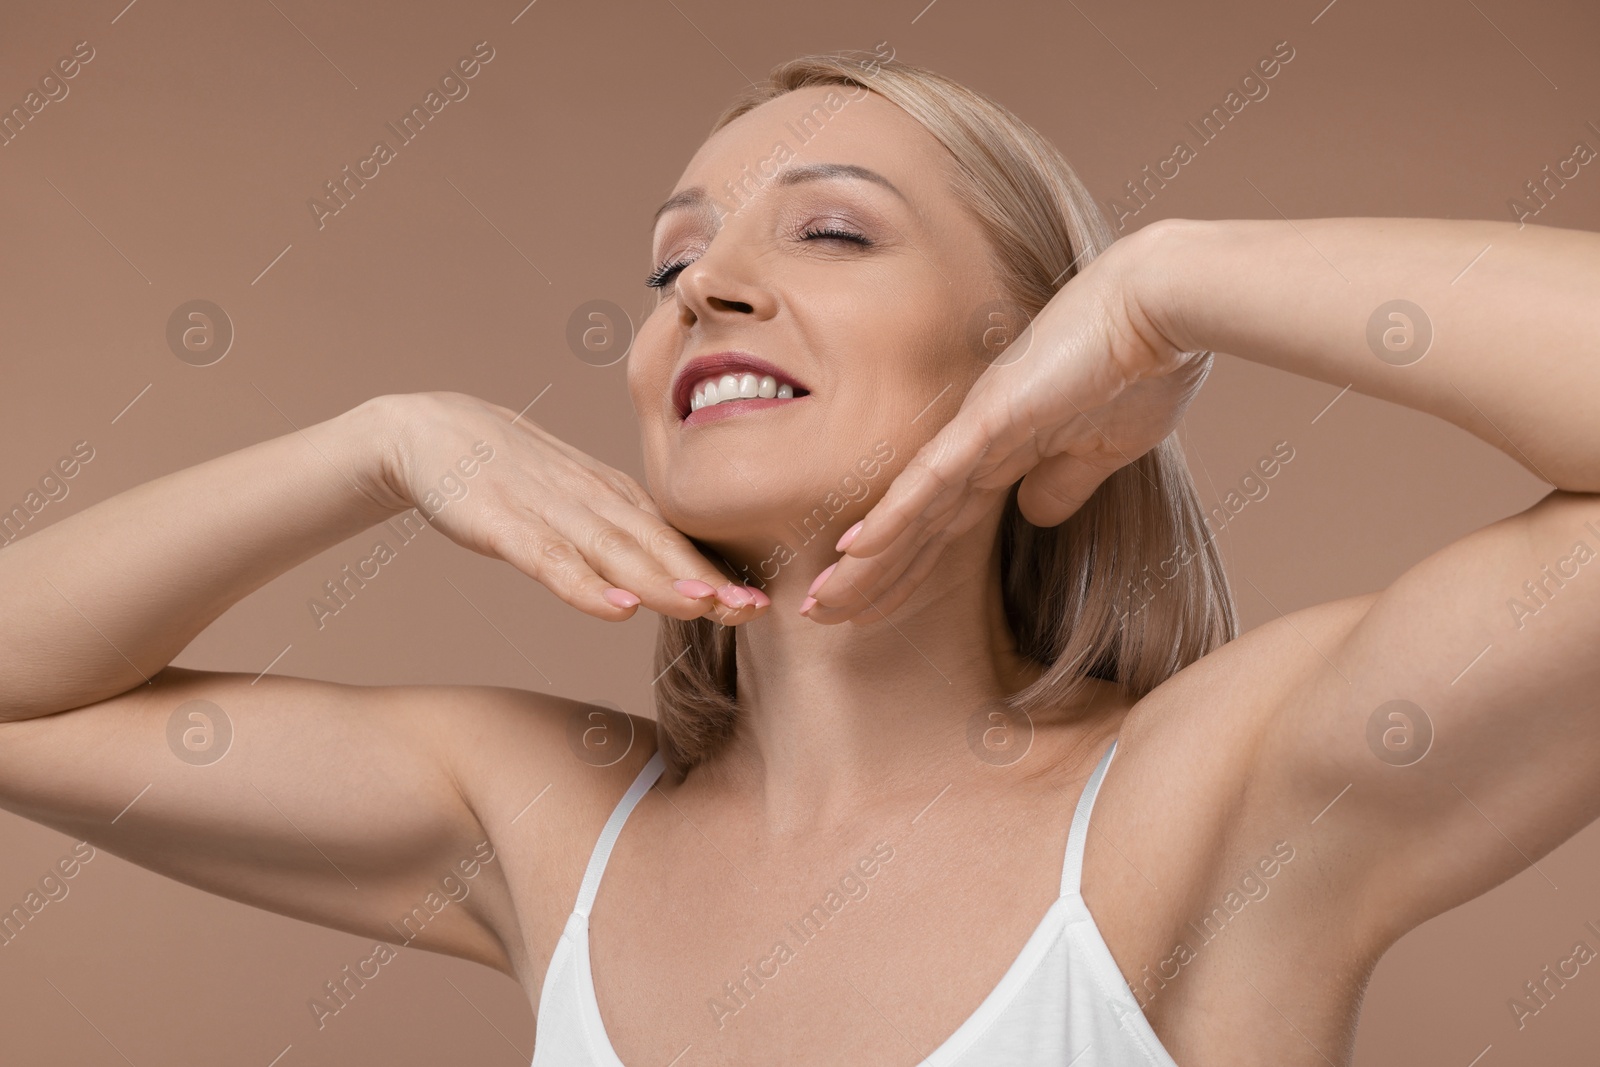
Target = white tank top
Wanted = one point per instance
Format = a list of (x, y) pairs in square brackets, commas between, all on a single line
[(1062, 1002)]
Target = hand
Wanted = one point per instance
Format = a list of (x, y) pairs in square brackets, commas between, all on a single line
[(586, 531), (1096, 387)]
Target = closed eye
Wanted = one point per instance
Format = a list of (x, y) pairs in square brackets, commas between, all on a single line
[(842, 235), (664, 274)]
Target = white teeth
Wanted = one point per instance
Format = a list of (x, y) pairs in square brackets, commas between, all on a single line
[(745, 386)]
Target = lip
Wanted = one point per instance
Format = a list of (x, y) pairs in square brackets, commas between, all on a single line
[(718, 412), (702, 367)]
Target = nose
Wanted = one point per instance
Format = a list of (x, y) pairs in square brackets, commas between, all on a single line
[(721, 286), (717, 306), (730, 305)]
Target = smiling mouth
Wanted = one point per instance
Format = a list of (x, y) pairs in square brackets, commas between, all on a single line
[(710, 388), (717, 390), (718, 398)]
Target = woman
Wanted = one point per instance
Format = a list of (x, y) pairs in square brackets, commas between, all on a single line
[(873, 842)]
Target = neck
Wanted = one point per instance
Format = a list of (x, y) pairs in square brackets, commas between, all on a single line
[(833, 714)]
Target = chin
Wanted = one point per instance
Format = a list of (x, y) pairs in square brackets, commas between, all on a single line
[(728, 510), (788, 502), (752, 529)]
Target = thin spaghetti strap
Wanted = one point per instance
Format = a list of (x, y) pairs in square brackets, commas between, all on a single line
[(1078, 836), (602, 848)]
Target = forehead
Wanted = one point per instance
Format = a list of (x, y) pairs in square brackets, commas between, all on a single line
[(823, 123)]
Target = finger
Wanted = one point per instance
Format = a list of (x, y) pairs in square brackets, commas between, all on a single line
[(855, 594), (1053, 491), (987, 445), (851, 582), (629, 506), (554, 561), (938, 472), (868, 572), (625, 570), (849, 585), (691, 573), (656, 562), (896, 591), (856, 599)]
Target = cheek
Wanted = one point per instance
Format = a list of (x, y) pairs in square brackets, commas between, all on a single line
[(648, 381), (650, 368), (900, 380), (638, 392), (652, 436)]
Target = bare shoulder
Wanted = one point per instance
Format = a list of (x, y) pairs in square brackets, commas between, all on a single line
[(1188, 785), (1224, 700), (1181, 816), (1187, 835), (1185, 751), (542, 773)]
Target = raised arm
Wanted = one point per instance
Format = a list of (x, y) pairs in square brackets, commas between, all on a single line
[(1492, 327), (343, 805), (1452, 715), (104, 600), (224, 781)]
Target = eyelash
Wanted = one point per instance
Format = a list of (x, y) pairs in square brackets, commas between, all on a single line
[(663, 274)]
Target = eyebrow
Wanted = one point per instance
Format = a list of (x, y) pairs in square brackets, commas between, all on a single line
[(796, 175)]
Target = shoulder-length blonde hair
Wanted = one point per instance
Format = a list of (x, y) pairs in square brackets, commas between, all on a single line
[(1131, 588)]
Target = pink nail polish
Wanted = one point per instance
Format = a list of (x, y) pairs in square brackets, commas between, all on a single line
[(849, 536), (621, 598), (734, 596), (816, 583), (761, 599), (807, 605), (693, 588)]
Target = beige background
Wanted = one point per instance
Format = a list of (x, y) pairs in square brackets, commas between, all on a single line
[(179, 167)]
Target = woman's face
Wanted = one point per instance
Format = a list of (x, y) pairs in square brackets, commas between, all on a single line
[(816, 241)]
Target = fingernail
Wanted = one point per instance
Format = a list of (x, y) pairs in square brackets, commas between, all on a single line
[(807, 605), (621, 598), (849, 536), (693, 588), (816, 583), (762, 600), (734, 596)]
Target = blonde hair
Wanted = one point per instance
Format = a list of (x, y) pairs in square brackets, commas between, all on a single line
[(1062, 585)]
